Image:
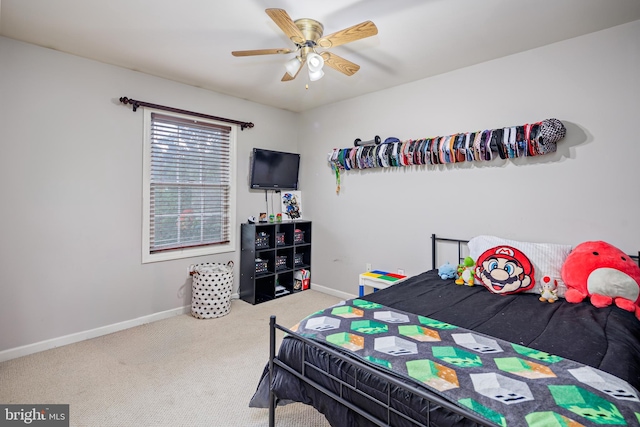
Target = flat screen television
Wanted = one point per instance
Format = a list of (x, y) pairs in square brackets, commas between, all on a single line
[(274, 170)]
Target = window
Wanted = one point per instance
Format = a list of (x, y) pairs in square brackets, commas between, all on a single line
[(189, 189)]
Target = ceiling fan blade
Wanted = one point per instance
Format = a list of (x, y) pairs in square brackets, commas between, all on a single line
[(287, 77), (338, 63), (351, 34), (260, 52), (286, 24)]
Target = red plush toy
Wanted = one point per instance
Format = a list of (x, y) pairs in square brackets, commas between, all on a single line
[(604, 273)]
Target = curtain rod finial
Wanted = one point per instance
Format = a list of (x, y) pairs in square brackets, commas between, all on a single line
[(134, 104)]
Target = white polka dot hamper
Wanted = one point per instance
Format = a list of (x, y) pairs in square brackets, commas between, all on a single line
[(211, 291)]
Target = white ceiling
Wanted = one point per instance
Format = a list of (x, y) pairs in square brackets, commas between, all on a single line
[(190, 41)]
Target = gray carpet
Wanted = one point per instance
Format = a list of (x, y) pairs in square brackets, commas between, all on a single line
[(180, 371)]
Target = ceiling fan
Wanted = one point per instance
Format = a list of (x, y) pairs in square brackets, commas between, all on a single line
[(306, 34)]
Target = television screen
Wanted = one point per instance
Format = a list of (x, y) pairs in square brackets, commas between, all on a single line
[(274, 170)]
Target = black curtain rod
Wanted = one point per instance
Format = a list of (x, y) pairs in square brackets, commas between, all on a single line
[(135, 104)]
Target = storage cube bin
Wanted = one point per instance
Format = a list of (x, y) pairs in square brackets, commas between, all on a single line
[(261, 267), (281, 262), (280, 239), (211, 289), (262, 241), (298, 236)]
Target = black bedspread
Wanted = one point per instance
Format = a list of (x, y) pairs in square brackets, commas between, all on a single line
[(605, 338)]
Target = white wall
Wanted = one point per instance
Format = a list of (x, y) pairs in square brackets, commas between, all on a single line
[(586, 191), (71, 158), (71, 173)]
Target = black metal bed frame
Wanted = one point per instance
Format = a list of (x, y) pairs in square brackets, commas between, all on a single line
[(364, 369)]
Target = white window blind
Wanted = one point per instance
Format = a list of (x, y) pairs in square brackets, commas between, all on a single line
[(189, 183)]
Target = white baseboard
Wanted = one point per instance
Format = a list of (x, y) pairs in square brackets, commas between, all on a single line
[(25, 350), (331, 291)]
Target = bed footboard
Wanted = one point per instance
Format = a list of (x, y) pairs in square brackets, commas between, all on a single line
[(384, 405)]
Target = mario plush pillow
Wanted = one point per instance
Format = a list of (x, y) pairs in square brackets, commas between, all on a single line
[(547, 258), (505, 270)]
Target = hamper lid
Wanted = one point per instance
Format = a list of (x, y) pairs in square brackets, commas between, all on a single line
[(211, 268)]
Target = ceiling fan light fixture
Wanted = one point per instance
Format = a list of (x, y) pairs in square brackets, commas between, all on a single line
[(315, 62), (293, 66), (315, 75)]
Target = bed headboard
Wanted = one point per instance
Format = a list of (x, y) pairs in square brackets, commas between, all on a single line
[(435, 239), (460, 243)]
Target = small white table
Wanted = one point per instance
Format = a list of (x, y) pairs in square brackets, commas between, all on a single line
[(372, 281)]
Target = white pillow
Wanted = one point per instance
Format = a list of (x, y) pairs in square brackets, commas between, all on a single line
[(547, 258)]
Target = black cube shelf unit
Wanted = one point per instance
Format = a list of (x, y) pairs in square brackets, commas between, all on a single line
[(282, 252)]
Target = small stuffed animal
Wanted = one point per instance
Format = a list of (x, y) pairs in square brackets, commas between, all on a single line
[(447, 271), (604, 273), (466, 272), (549, 290)]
